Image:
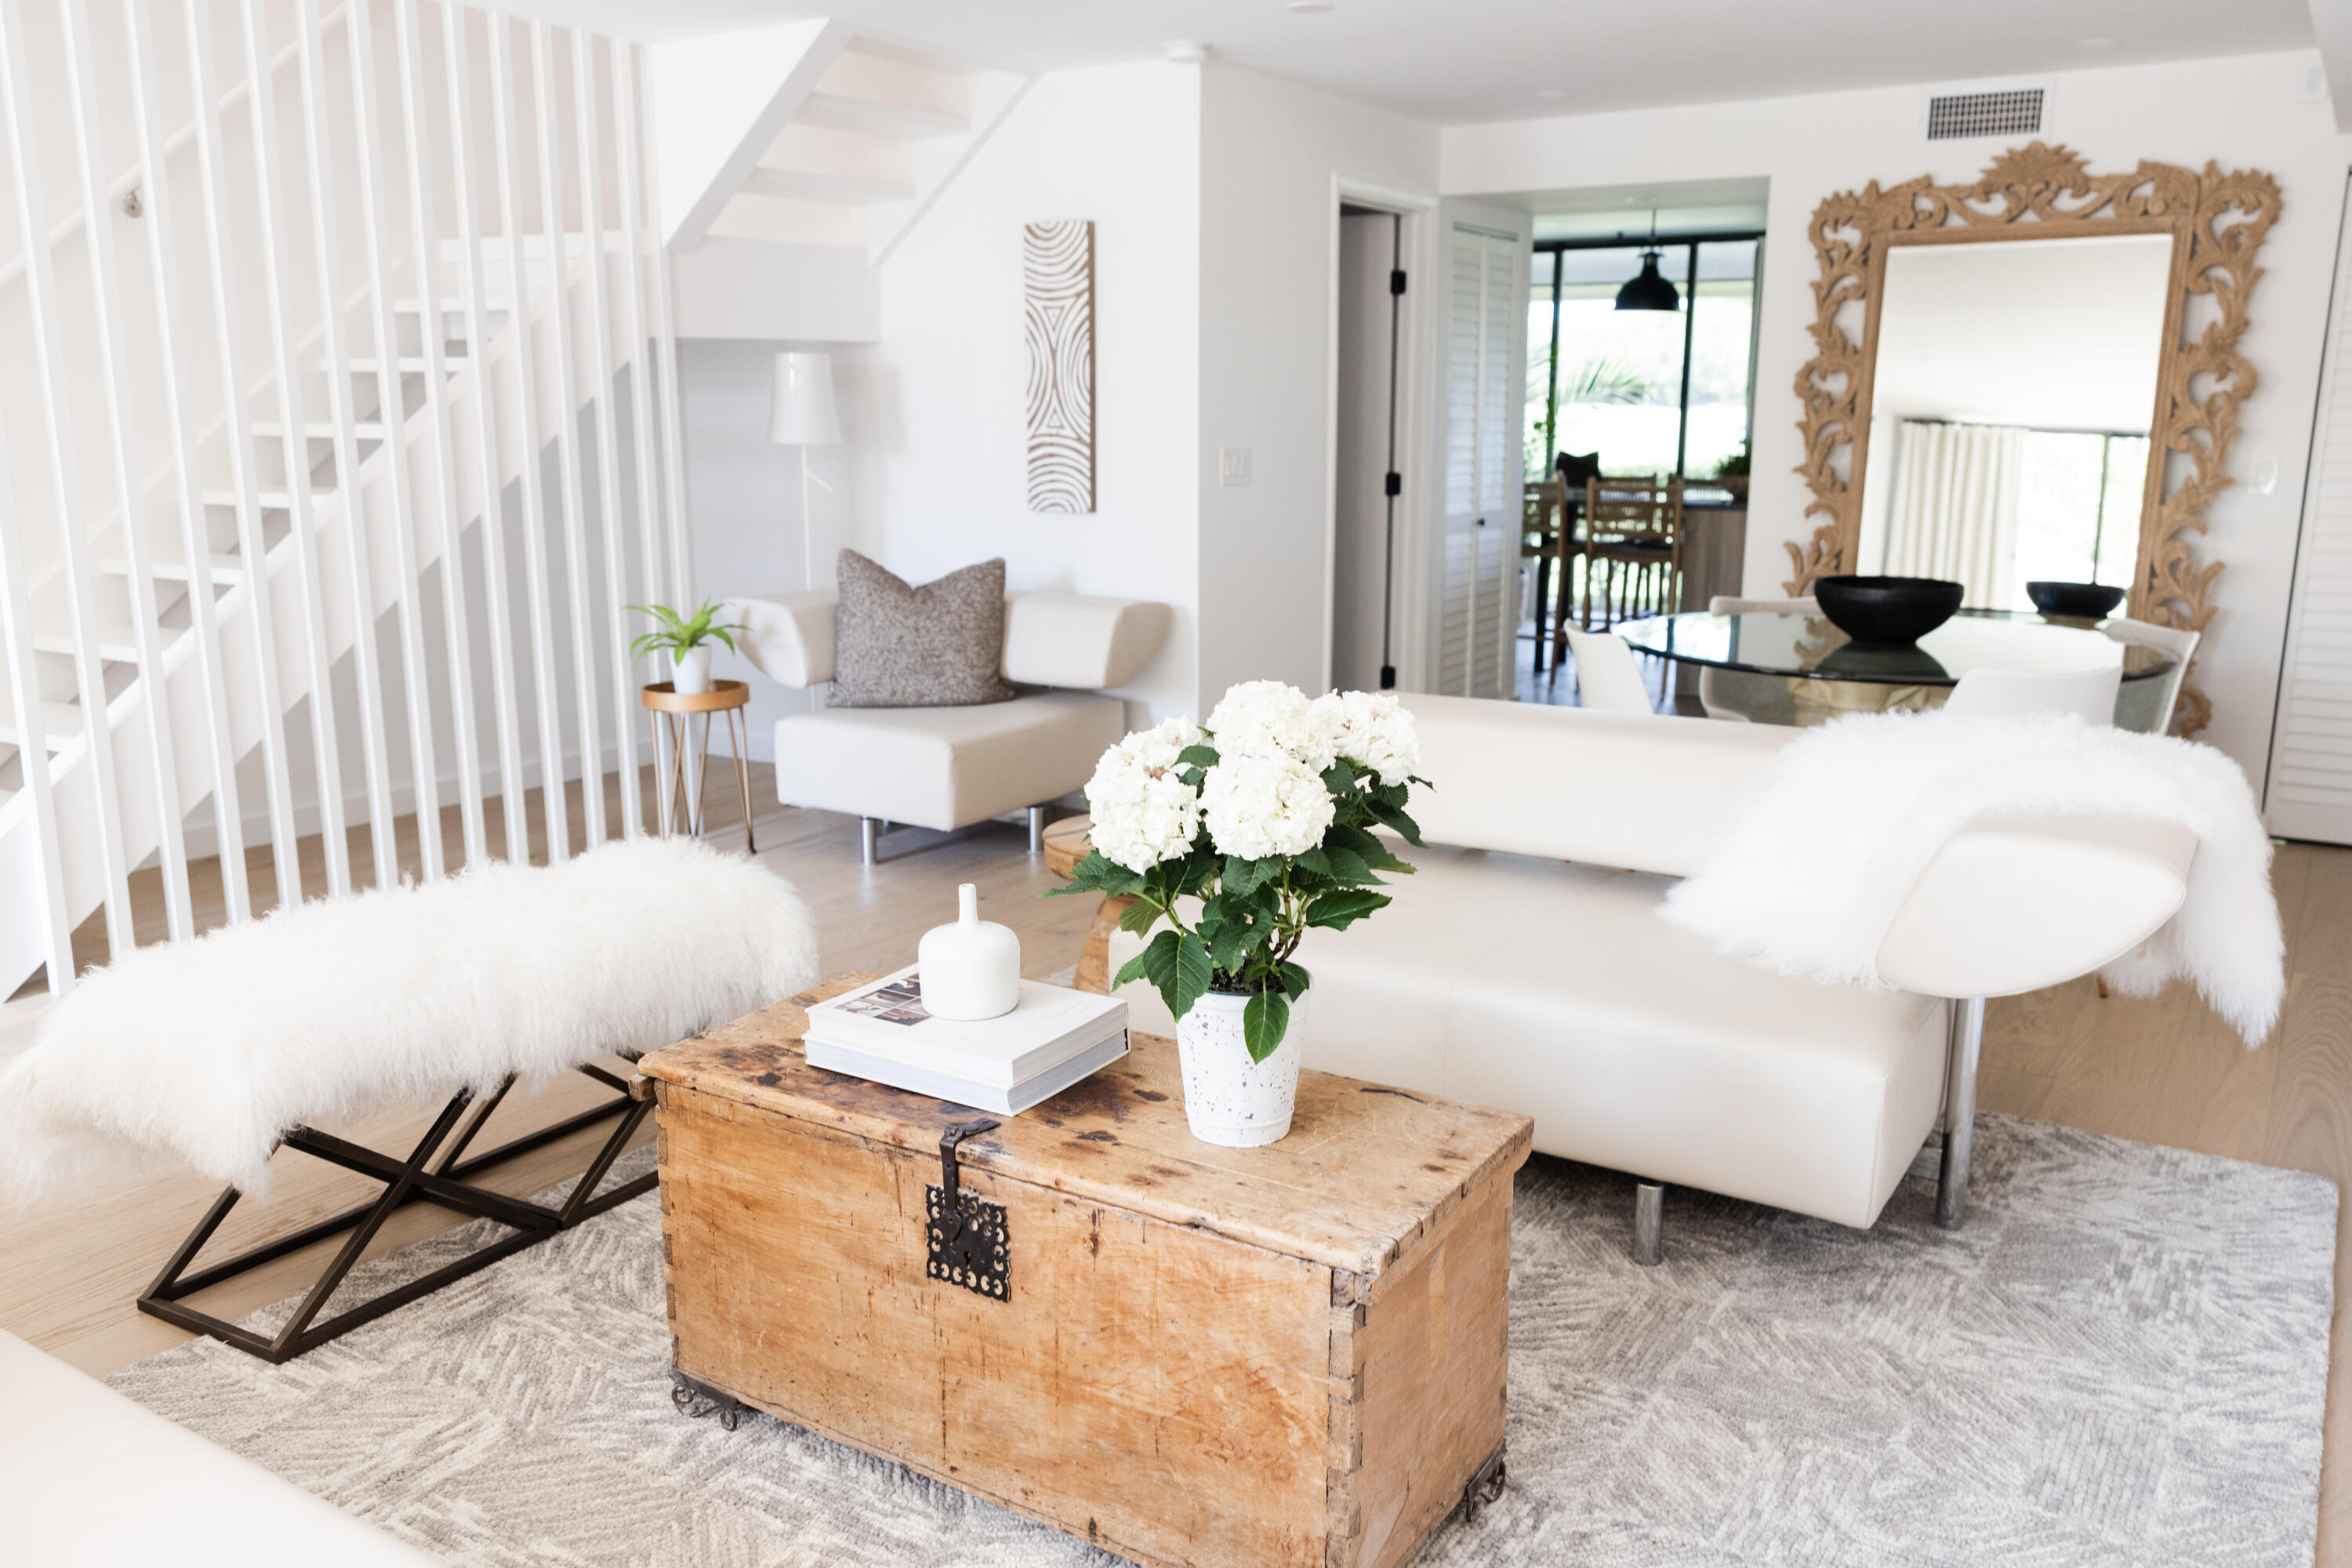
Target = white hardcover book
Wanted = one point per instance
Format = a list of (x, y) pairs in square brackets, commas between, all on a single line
[(956, 1090), (885, 1021)]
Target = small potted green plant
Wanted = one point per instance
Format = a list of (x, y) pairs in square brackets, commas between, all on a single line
[(687, 639)]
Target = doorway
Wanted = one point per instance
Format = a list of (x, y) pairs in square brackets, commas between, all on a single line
[(1366, 484)]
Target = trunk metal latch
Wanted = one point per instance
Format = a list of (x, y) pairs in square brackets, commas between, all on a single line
[(969, 1245)]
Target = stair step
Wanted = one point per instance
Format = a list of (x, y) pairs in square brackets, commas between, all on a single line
[(114, 645), (60, 723), (321, 429), (267, 500), (407, 365), (450, 307), (806, 184), (225, 568), (891, 121)]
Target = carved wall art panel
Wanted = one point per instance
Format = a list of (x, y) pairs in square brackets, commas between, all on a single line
[(1058, 321)]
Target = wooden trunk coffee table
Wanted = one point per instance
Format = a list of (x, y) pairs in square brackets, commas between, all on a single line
[(1188, 1354)]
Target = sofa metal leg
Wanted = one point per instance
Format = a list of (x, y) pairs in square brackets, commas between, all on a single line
[(1036, 830), (1649, 1223), (869, 835), (1959, 1111)]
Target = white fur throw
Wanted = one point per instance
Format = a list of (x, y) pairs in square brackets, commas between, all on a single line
[(206, 1051), (1812, 870)]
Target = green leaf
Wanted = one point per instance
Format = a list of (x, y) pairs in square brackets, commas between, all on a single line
[(1348, 869), (1243, 876), (1097, 873), (1232, 943), (1189, 971), (1393, 817), (1198, 756), (1295, 980), (1156, 963), (1340, 910), (1339, 778), (1264, 1023), (1139, 916), (1312, 861)]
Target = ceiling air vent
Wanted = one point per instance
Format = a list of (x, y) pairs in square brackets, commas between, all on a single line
[(1954, 115)]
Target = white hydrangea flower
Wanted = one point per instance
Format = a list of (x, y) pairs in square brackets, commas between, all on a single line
[(1374, 730), (1268, 718), (1144, 812), (1257, 805)]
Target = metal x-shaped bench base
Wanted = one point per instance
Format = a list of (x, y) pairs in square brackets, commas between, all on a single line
[(405, 1181)]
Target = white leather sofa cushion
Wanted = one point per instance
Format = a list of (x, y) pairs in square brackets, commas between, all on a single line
[(1554, 990), (89, 1479), (945, 767), (1652, 792), (1078, 641)]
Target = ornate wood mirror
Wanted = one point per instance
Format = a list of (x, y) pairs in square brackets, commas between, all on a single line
[(2003, 405)]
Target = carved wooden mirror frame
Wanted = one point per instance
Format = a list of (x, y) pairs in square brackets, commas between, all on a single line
[(2218, 223)]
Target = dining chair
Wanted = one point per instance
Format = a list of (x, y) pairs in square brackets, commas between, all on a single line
[(1542, 518), (1574, 470), (2155, 699), (1607, 679), (1632, 534), (2091, 693), (1717, 688)]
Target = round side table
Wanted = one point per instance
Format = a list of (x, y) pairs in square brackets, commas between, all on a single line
[(678, 814)]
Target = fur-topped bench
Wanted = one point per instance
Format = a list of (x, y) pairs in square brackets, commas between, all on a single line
[(215, 1053)]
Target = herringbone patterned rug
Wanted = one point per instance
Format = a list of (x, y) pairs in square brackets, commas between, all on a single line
[(2121, 1361)]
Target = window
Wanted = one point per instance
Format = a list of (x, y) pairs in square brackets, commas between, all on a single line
[(1653, 392)]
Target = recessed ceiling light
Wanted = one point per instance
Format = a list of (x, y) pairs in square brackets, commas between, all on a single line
[(1184, 51), (2094, 43), (1552, 92), (1307, 8)]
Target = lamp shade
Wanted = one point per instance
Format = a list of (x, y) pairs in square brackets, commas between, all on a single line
[(801, 413), (1648, 289)]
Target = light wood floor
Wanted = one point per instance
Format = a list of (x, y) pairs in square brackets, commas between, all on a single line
[(2162, 1070)]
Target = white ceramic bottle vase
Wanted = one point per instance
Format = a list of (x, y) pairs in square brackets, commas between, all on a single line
[(970, 969)]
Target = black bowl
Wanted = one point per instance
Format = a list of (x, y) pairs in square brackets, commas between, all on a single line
[(2082, 601), (1887, 612)]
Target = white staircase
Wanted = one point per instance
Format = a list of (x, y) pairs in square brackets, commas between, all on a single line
[(443, 383)]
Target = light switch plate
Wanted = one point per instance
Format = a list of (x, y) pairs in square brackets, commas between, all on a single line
[(1232, 465)]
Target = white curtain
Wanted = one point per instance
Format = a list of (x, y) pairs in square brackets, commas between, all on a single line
[(1954, 511)]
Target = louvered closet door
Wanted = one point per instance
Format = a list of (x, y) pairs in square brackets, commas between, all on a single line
[(1480, 562), (2310, 789)]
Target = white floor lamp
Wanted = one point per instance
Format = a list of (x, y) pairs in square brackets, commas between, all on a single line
[(802, 415)]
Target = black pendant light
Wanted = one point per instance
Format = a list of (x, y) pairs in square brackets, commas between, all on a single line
[(1648, 289)]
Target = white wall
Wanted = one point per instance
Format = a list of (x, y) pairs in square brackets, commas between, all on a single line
[(1271, 155), (2246, 112), (934, 413)]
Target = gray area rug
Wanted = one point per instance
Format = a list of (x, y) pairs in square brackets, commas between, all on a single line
[(2122, 1360)]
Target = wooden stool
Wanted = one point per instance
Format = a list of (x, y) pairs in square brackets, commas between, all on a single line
[(677, 711)]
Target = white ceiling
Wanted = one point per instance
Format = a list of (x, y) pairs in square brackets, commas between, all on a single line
[(1461, 61)]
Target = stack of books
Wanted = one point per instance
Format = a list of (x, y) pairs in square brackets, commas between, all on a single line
[(1007, 1064)]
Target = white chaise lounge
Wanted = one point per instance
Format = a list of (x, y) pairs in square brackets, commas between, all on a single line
[(946, 768), (1523, 966)]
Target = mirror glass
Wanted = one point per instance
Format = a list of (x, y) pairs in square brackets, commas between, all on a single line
[(2012, 391)]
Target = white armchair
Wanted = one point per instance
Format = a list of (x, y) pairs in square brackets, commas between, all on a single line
[(946, 768)]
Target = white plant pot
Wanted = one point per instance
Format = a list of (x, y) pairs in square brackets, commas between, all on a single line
[(1230, 1099), (691, 670)]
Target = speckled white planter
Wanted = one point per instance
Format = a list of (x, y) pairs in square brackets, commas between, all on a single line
[(1229, 1098)]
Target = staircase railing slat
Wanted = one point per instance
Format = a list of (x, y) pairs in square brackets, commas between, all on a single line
[(567, 432), (456, 616), (666, 364), (611, 510), (555, 811), (72, 520), (374, 206), (122, 449), (277, 282), (318, 129), (212, 668), (258, 593), (636, 226)]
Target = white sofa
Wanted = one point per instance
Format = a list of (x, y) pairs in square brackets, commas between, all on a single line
[(1523, 965), (89, 1479), (947, 768)]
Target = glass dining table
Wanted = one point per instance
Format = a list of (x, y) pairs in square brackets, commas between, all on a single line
[(1777, 667)]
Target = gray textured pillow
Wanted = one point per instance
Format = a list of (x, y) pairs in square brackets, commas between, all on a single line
[(938, 646)]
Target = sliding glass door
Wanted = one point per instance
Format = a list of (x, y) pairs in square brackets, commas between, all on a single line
[(1663, 392)]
